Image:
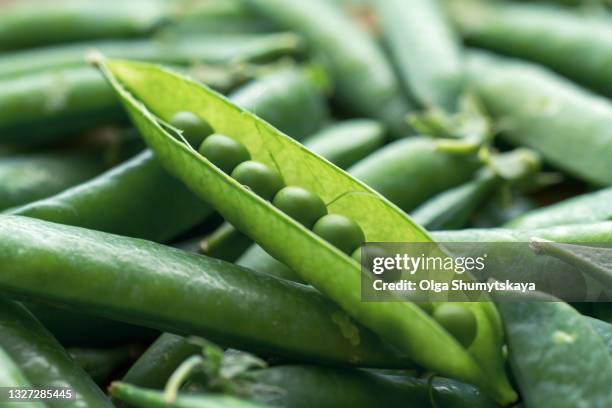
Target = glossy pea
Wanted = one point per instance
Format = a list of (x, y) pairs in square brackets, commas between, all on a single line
[(260, 178), (300, 204), (224, 152), (457, 320), (193, 128), (340, 231)]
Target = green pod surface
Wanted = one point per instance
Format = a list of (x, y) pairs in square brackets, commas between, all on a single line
[(452, 209), (179, 292), (583, 209), (159, 361), (316, 386), (72, 20), (364, 81), (602, 328), (101, 363), (408, 172), (538, 109), (574, 44), (144, 398), (48, 106), (116, 201), (426, 50), (42, 359), (573, 367), (194, 50), (27, 178), (11, 376)]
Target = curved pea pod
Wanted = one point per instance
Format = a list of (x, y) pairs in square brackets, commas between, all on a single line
[(426, 50), (194, 50), (144, 398), (573, 366), (159, 361), (11, 376), (116, 200), (49, 106), (343, 144), (364, 81), (335, 274), (453, 208), (315, 386), (538, 109), (180, 292), (574, 44), (408, 172), (27, 178), (43, 360), (70, 20), (583, 209)]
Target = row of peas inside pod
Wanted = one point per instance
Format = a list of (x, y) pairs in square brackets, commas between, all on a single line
[(233, 158)]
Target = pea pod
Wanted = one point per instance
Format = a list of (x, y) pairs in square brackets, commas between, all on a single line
[(343, 144), (309, 386), (305, 324), (113, 201), (194, 50), (427, 52), (573, 44), (452, 208), (43, 360), (364, 81), (70, 20), (583, 209), (159, 361), (555, 332), (403, 324), (11, 376), (139, 397), (27, 177), (536, 108)]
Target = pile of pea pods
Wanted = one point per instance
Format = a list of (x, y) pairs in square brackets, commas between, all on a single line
[(187, 186)]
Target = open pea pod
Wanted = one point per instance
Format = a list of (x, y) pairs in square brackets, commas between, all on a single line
[(153, 95)]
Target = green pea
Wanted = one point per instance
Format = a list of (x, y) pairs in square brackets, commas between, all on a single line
[(301, 204), (261, 179), (356, 255), (340, 231), (458, 321), (194, 129), (224, 152)]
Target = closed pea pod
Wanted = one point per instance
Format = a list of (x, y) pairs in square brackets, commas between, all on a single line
[(210, 51), (43, 360), (571, 43), (364, 81), (181, 293), (540, 110), (426, 50), (11, 376)]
